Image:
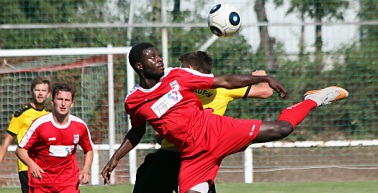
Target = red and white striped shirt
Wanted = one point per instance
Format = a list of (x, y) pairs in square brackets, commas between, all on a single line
[(171, 106), (53, 147)]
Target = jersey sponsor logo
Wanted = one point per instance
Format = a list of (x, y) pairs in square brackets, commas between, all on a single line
[(61, 150), (166, 102), (52, 138), (252, 130), (174, 85), (76, 138), (205, 93)]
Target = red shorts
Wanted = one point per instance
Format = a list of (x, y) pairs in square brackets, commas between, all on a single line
[(224, 136), (54, 189)]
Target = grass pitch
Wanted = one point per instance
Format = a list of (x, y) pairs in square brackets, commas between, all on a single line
[(307, 187)]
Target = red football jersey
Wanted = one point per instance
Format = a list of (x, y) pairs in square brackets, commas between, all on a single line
[(171, 106), (53, 148)]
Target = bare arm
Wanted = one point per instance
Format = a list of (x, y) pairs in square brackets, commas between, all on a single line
[(131, 139), (238, 81), (4, 146), (261, 90), (34, 169), (84, 173)]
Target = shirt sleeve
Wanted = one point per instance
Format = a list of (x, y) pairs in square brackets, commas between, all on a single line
[(195, 80), (136, 121), (29, 138), (86, 141), (238, 93), (14, 125)]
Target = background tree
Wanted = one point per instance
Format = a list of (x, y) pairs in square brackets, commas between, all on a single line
[(231, 55), (318, 10), (266, 41), (368, 33), (52, 12), (360, 72)]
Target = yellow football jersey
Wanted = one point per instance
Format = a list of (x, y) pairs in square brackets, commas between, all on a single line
[(217, 99), (20, 123)]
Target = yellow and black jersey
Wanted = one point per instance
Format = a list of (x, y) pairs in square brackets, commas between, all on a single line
[(20, 123), (217, 99)]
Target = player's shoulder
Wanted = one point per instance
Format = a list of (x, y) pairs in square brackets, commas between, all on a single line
[(27, 107), (47, 109), (188, 70), (22, 109), (43, 119), (132, 92), (173, 72), (77, 120)]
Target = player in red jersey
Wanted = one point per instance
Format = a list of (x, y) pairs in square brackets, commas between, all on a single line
[(165, 99), (165, 162), (49, 147)]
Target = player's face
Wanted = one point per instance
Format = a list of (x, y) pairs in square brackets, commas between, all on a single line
[(62, 103), (40, 93), (152, 64)]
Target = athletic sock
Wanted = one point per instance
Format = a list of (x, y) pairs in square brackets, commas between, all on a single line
[(296, 113)]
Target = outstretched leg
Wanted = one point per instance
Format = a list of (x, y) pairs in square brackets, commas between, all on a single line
[(295, 114)]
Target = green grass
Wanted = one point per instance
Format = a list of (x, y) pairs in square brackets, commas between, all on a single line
[(302, 187)]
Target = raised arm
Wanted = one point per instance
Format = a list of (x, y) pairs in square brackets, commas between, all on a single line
[(238, 81), (131, 140), (261, 90)]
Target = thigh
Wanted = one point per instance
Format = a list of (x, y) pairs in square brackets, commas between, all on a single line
[(56, 189), (40, 189), (196, 169), (67, 189), (145, 175), (234, 135), (158, 173), (170, 169)]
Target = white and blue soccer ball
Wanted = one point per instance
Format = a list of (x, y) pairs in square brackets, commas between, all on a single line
[(224, 20)]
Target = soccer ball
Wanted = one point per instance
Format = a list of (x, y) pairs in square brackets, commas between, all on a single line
[(224, 20)]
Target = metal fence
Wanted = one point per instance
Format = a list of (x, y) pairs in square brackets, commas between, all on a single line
[(305, 45)]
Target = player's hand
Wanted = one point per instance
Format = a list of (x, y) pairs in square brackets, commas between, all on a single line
[(259, 73), (36, 171), (278, 87), (107, 171), (84, 177)]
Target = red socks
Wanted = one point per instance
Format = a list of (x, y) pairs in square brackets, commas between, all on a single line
[(296, 113)]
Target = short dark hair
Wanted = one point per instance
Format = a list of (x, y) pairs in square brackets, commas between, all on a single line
[(136, 53), (63, 87), (40, 80), (199, 60)]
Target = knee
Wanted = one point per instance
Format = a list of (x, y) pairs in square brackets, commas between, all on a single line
[(285, 127), (280, 129), (272, 131)]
